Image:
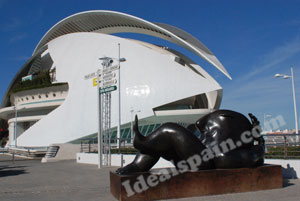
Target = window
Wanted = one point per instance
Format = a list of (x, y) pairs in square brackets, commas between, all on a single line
[(194, 102), (52, 74), (144, 130), (26, 125)]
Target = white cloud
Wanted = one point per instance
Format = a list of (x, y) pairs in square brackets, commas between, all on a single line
[(16, 58), (13, 24), (259, 91), (18, 37), (272, 59)]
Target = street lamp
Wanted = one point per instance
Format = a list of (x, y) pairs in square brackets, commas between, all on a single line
[(294, 98), (119, 96)]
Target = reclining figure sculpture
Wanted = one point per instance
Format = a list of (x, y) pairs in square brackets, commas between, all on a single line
[(227, 140)]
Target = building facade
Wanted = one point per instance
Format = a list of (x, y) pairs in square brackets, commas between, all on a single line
[(53, 97)]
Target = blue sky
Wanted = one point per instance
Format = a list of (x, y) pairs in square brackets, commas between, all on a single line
[(252, 39)]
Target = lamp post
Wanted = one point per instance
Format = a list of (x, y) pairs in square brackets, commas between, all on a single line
[(294, 98), (119, 96)]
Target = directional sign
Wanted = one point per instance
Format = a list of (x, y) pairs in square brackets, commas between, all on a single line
[(107, 89), (95, 82), (102, 72), (108, 76), (110, 69), (91, 75), (108, 83), (104, 83)]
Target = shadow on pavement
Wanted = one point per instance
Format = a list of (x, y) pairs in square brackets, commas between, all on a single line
[(289, 172), (5, 160), (6, 171), (286, 183), (11, 167)]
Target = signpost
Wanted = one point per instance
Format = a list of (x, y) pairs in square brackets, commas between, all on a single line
[(105, 80)]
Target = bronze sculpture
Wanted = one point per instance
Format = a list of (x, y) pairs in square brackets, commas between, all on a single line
[(227, 140)]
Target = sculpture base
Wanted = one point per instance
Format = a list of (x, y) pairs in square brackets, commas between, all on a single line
[(155, 185)]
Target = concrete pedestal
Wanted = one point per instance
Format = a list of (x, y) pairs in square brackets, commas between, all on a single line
[(158, 184)]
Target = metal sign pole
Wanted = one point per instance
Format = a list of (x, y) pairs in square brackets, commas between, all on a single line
[(109, 134), (99, 122)]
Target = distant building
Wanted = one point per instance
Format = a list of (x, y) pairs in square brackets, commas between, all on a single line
[(53, 98), (286, 131)]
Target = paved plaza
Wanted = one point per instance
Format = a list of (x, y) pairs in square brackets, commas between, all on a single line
[(28, 180)]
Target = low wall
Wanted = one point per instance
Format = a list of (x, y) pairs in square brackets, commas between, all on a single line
[(290, 168), (87, 158), (92, 158), (66, 152)]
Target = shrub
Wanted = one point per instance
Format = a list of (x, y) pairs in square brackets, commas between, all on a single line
[(42, 80), (279, 152)]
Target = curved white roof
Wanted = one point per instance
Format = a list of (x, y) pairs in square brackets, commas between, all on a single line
[(109, 22)]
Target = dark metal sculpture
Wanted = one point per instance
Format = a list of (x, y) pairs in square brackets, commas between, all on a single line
[(227, 140)]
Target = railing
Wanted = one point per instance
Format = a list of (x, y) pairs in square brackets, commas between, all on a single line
[(282, 146), (88, 146), (278, 146), (91, 146), (51, 151), (35, 152), (4, 150)]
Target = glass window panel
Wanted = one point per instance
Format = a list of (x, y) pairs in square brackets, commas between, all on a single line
[(125, 134), (144, 130), (151, 128), (156, 126)]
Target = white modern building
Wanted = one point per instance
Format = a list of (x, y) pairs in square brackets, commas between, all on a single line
[(158, 83)]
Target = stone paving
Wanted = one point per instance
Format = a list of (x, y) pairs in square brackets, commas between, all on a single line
[(30, 180)]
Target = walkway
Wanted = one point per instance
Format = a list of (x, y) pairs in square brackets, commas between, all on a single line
[(27, 180)]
